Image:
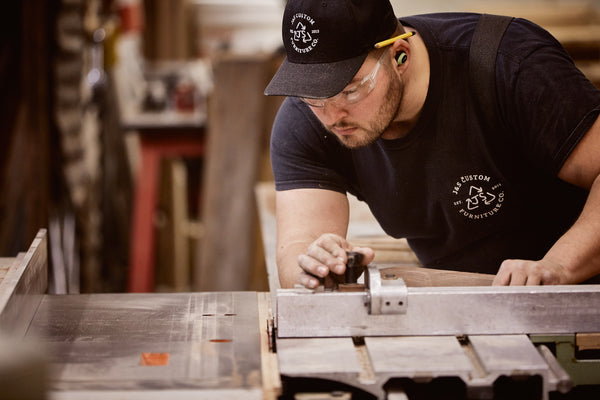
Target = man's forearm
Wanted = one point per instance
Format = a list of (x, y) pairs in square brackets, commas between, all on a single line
[(303, 216), (578, 250)]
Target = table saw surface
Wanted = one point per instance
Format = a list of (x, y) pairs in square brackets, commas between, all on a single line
[(215, 345)]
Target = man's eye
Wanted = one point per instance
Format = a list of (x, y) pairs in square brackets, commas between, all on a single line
[(351, 91)]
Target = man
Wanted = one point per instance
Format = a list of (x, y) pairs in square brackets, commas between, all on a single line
[(400, 127)]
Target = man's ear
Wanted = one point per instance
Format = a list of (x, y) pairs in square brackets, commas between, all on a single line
[(402, 53)]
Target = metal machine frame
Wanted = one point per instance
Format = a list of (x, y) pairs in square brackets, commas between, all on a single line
[(384, 337)]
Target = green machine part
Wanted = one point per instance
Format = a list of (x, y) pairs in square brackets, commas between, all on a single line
[(577, 354)]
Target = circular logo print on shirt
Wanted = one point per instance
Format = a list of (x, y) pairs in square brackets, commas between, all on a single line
[(477, 196), (303, 34)]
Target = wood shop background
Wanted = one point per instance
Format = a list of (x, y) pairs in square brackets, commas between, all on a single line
[(136, 132)]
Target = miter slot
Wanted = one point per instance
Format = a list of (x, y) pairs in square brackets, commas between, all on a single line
[(478, 370), (366, 374)]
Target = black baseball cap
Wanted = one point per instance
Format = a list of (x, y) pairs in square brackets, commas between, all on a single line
[(326, 42)]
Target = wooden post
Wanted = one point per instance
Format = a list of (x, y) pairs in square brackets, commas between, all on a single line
[(236, 128)]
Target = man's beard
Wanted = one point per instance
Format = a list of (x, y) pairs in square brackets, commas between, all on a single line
[(379, 124)]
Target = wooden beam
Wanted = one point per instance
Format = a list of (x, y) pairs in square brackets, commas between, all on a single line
[(236, 126)]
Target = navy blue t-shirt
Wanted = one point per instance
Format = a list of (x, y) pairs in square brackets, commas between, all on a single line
[(464, 195)]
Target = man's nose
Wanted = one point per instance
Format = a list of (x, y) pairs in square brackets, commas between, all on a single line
[(334, 111)]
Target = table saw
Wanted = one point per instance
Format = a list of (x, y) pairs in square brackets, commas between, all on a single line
[(379, 338)]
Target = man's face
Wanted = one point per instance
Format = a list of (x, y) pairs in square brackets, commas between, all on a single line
[(361, 123)]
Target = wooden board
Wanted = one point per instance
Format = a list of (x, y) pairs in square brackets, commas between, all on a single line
[(5, 264), (23, 287), (427, 277), (234, 145), (588, 341)]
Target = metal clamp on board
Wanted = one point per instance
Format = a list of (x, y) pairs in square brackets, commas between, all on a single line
[(385, 296)]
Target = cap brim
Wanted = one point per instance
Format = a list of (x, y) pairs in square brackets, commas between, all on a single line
[(317, 81)]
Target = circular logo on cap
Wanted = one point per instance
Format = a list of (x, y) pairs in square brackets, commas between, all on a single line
[(303, 35)]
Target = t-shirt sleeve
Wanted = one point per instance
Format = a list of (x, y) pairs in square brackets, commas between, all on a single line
[(548, 102), (303, 155)]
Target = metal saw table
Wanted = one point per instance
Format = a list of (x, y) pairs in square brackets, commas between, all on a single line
[(130, 346), (379, 339)]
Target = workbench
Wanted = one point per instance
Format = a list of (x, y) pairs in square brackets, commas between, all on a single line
[(375, 339)]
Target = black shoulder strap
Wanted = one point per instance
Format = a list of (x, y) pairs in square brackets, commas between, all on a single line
[(482, 61)]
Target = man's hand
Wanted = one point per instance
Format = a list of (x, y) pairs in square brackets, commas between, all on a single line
[(328, 254), (531, 273)]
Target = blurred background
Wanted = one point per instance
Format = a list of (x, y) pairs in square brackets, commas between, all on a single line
[(136, 132)]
